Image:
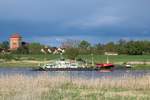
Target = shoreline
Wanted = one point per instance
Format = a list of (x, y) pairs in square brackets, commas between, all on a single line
[(36, 64)]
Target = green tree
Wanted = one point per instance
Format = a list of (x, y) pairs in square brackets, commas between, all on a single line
[(110, 47), (5, 45), (98, 49), (121, 47), (84, 47), (23, 50), (72, 53), (35, 48), (135, 48), (7, 57), (84, 44), (146, 47)]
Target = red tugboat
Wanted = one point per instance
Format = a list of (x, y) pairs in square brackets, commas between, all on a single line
[(105, 67)]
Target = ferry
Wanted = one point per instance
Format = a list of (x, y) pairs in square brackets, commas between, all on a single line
[(67, 65), (64, 65)]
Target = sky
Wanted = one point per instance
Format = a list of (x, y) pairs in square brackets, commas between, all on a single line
[(53, 21)]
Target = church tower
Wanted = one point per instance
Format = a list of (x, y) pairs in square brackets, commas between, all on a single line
[(15, 41)]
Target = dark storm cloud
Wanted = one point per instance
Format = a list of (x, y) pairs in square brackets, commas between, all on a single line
[(93, 20)]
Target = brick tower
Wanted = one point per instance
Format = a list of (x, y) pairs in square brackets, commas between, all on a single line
[(15, 41)]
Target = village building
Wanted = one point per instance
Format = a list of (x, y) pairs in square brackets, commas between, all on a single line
[(15, 41), (111, 53), (52, 50)]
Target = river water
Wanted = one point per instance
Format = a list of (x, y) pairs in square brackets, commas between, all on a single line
[(74, 74)]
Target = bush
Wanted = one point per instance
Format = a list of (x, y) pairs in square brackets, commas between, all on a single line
[(72, 53), (6, 57)]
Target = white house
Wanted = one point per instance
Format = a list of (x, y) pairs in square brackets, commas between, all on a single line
[(111, 53), (53, 50)]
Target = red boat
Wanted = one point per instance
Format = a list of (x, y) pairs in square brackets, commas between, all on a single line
[(105, 67)]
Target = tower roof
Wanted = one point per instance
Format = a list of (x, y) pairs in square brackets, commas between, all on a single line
[(16, 35)]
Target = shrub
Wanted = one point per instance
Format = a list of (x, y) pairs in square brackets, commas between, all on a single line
[(72, 53), (6, 57)]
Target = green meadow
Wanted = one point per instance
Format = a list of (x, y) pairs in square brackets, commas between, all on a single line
[(115, 59), (33, 60), (97, 58)]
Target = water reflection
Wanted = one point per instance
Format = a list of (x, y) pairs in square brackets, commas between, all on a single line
[(75, 74)]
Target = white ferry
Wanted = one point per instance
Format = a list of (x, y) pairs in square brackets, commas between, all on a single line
[(65, 65)]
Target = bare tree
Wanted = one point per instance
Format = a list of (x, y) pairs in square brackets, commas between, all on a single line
[(70, 43)]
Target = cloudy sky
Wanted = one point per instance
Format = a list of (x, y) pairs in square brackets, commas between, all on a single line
[(53, 21)]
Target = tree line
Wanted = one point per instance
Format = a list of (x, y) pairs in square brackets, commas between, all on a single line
[(120, 47), (26, 48), (85, 47)]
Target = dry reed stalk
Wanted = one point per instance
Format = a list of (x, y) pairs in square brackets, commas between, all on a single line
[(34, 88)]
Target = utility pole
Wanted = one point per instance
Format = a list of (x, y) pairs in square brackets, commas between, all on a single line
[(61, 57), (107, 60), (92, 59), (86, 63)]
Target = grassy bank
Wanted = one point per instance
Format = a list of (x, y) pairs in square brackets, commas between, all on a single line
[(142, 67), (119, 58), (34, 60), (18, 64), (44, 87), (97, 58)]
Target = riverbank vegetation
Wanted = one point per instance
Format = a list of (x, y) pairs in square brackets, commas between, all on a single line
[(97, 58), (84, 47), (44, 87), (33, 60), (127, 51)]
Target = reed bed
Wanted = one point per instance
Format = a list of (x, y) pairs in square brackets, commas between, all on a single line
[(44, 87)]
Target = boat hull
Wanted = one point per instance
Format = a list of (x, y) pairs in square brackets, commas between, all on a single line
[(67, 69)]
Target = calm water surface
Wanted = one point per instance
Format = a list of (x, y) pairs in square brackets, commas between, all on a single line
[(74, 74)]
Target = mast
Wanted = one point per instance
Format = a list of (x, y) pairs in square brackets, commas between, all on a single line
[(107, 60), (92, 59)]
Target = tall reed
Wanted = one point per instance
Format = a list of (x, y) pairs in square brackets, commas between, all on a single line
[(44, 87)]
